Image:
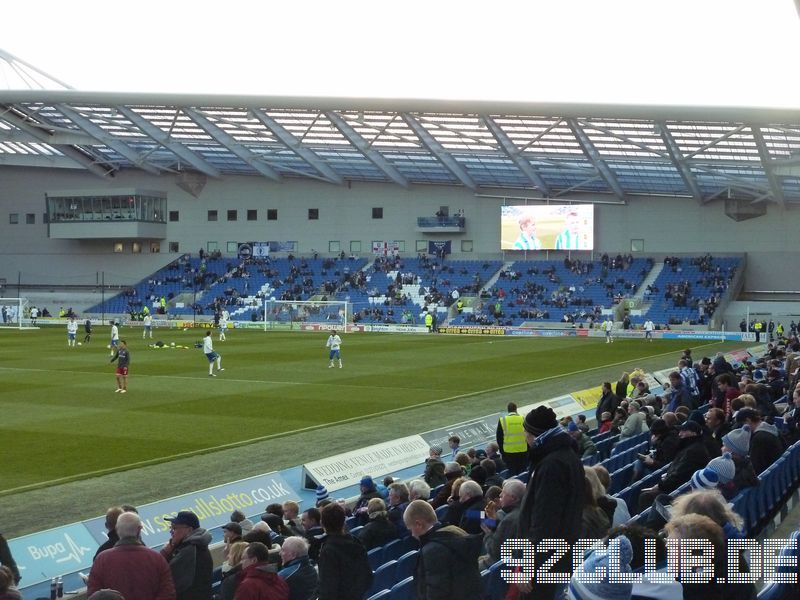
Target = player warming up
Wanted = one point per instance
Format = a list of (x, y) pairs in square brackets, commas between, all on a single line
[(208, 349), (608, 326), (334, 343), (72, 331), (223, 324), (124, 357), (114, 337)]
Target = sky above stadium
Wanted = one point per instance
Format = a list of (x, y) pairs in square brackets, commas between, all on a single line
[(696, 52)]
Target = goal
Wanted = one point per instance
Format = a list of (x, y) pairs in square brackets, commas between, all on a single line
[(13, 312), (309, 314)]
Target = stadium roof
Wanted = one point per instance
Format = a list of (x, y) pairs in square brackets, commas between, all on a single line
[(553, 150)]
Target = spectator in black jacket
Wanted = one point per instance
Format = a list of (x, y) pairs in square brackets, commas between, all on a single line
[(344, 571), (692, 455), (554, 499), (792, 419), (380, 530), (608, 402), (765, 445), (664, 444), (447, 566), (189, 558), (7, 560), (312, 530)]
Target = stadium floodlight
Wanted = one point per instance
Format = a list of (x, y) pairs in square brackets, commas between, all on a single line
[(13, 312), (308, 314)]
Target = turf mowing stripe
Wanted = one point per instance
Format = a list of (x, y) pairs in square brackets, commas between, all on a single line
[(208, 450)]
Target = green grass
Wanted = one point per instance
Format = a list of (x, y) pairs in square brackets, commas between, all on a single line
[(63, 421)]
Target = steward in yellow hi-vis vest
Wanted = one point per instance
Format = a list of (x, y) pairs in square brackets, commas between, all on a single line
[(511, 439)]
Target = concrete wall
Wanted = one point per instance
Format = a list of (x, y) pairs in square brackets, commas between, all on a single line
[(667, 225)]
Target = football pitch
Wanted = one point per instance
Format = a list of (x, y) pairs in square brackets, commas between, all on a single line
[(62, 420)]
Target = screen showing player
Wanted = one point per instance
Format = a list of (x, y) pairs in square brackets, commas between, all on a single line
[(550, 227)]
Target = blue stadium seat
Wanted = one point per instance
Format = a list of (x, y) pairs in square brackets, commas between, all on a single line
[(384, 577), (442, 511), (375, 557), (403, 590), (496, 588), (382, 595), (406, 564)]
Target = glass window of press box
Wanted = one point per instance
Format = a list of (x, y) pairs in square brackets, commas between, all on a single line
[(107, 208)]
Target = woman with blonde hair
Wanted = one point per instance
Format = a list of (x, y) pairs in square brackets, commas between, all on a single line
[(379, 530), (596, 519), (231, 569)]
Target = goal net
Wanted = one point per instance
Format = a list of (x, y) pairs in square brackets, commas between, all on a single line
[(284, 314), (14, 312)]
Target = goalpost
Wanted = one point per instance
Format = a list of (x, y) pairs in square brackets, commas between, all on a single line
[(308, 314), (13, 312)]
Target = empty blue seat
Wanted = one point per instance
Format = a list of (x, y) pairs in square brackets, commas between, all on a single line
[(496, 587), (382, 595), (375, 557), (403, 590), (384, 577), (406, 564)]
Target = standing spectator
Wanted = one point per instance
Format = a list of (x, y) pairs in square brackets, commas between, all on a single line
[(112, 514), (553, 502), (511, 440), (298, 572), (132, 568), (678, 394), (447, 564), (259, 579), (344, 571), (189, 558), (608, 402), (453, 442)]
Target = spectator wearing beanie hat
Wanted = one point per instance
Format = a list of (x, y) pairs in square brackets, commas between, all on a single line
[(737, 443), (622, 551), (554, 499), (368, 492), (586, 446), (718, 474), (322, 494)]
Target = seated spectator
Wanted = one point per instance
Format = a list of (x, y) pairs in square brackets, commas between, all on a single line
[(605, 423), (580, 588), (231, 533), (398, 501), (585, 445), (737, 443), (635, 424), (291, 512), (620, 513), (452, 471), (581, 423), (501, 521), (188, 556), (493, 452), (791, 418), (447, 565), (492, 478), (368, 492), (238, 516), (596, 521), (344, 571), (765, 445), (312, 531), (231, 569), (259, 579), (379, 530), (691, 456), (715, 422), (718, 474), (434, 467), (418, 490), (298, 572)]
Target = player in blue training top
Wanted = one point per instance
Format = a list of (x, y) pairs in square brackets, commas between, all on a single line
[(208, 349), (334, 343)]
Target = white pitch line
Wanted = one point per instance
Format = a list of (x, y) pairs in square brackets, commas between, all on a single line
[(230, 445)]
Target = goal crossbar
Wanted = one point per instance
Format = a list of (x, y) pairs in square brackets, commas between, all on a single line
[(307, 314)]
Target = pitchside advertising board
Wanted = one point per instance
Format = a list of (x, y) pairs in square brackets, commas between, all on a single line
[(68, 549), (345, 470), (471, 433)]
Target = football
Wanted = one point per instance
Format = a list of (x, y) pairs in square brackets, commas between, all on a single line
[(80, 343)]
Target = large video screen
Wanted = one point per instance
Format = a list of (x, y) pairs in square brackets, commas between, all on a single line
[(550, 227)]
